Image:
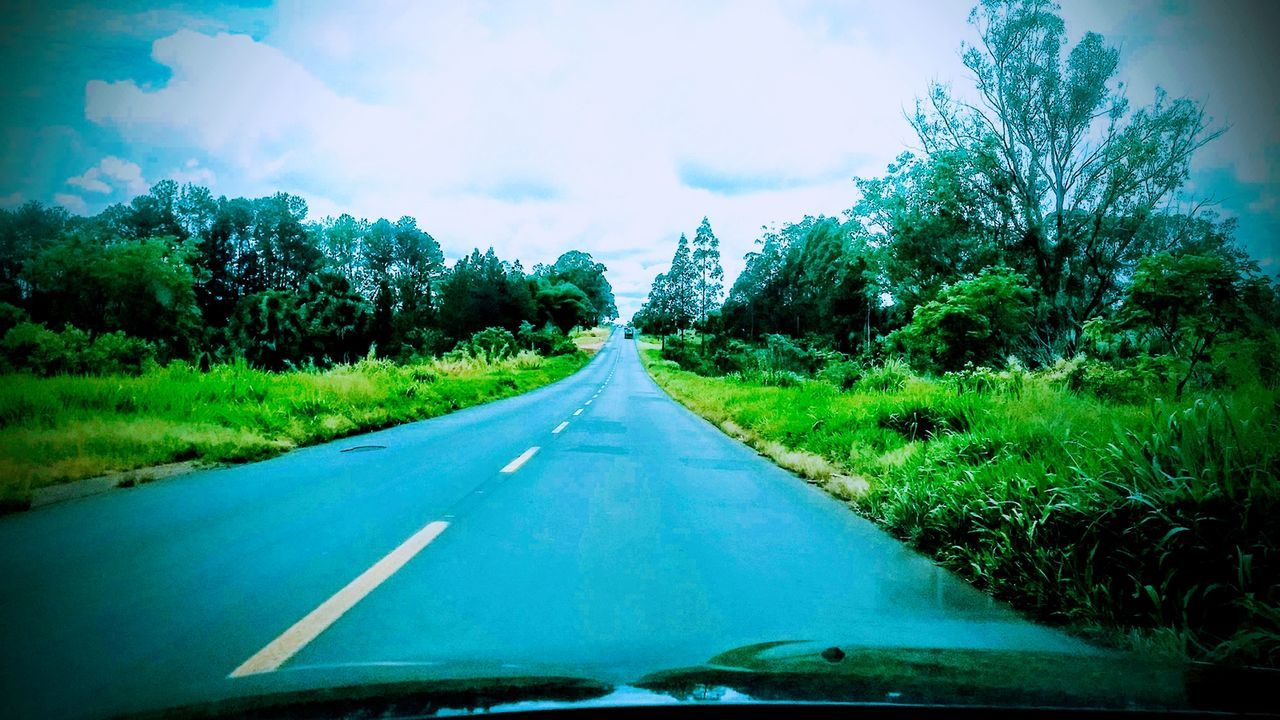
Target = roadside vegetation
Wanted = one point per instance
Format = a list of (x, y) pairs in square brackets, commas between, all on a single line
[(184, 326), (1146, 523), (68, 427), (1024, 350)]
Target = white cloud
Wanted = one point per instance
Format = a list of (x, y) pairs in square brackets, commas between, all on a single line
[(71, 202), (192, 172), (91, 181), (125, 175)]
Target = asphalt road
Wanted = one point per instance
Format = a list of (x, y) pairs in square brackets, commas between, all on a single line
[(635, 538)]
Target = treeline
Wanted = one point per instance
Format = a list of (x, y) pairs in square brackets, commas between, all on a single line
[(1044, 221), (180, 274)]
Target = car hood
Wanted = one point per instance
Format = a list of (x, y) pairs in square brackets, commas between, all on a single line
[(774, 672)]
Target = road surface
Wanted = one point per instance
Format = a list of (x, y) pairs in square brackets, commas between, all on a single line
[(592, 528)]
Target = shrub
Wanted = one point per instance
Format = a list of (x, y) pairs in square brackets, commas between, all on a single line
[(1131, 381), (117, 353), (892, 376), (10, 316), (973, 321), (987, 381), (781, 353), (687, 357), (492, 344), (41, 351), (843, 374), (548, 341)]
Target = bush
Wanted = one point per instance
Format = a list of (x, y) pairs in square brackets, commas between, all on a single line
[(687, 357), (41, 351), (10, 316), (28, 347), (492, 344), (843, 374), (117, 353), (987, 381), (548, 341), (920, 421), (781, 353), (974, 321), (1132, 381), (892, 376)]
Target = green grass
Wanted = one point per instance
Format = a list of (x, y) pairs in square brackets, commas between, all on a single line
[(1153, 524), (58, 429)]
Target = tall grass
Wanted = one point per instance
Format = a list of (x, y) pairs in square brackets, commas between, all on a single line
[(1152, 523), (65, 428)]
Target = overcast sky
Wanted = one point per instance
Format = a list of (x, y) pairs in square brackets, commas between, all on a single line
[(540, 127)]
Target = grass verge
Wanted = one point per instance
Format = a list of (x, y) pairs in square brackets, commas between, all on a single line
[(59, 429), (1151, 525), (590, 341)]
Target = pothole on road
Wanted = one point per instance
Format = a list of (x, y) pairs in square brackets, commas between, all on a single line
[(363, 448)]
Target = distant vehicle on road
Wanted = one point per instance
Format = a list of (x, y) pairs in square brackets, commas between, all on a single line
[(628, 332)]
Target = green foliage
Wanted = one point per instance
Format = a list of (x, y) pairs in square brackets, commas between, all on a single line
[(1127, 519), (579, 270), (491, 344), (143, 288), (1188, 302), (482, 291), (815, 277), (10, 316), (64, 428), (35, 349), (1054, 170), (267, 329), (973, 321), (706, 271), (564, 305), (207, 279), (548, 341)]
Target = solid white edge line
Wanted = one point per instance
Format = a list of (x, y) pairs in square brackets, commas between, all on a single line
[(521, 459), (317, 621), (560, 427)]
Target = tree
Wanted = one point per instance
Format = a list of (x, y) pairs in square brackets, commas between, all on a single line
[(419, 264), (24, 232), (706, 270), (289, 254), (483, 292), (977, 321), (1051, 146), (1189, 302), (680, 287), (144, 288), (578, 268), (335, 320), (564, 305), (932, 226), (268, 329), (340, 241)]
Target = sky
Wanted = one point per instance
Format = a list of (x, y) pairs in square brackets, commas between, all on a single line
[(540, 127)]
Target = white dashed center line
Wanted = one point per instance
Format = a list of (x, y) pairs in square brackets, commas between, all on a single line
[(577, 412), (523, 458), (560, 427)]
